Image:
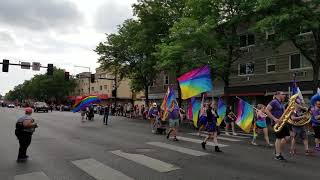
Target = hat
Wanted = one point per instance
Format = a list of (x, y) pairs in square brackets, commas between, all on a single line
[(28, 110), (154, 104)]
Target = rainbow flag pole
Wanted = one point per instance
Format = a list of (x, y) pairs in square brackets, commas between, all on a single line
[(245, 115)]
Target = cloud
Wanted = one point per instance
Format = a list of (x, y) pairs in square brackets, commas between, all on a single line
[(110, 15), (40, 15), (6, 41)]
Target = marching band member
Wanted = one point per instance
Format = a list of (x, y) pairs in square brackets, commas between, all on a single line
[(212, 117), (261, 124), (299, 131), (229, 120), (316, 123), (274, 110)]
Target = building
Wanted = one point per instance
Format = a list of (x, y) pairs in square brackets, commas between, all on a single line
[(103, 86)]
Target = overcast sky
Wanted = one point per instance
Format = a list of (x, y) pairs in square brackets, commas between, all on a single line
[(61, 32)]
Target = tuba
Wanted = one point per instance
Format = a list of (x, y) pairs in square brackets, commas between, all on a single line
[(287, 113), (303, 121)]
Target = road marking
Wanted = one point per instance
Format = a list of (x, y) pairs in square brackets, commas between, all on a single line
[(149, 162), (178, 149), (199, 141), (219, 137), (32, 176), (99, 171), (243, 135), (239, 133)]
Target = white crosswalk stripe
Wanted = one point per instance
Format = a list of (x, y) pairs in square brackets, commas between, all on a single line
[(178, 149), (149, 162), (99, 171), (219, 137), (32, 176), (199, 141)]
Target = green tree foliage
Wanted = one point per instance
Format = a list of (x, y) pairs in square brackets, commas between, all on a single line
[(289, 19), (43, 88)]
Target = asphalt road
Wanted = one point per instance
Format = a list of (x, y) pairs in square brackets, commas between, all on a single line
[(63, 148)]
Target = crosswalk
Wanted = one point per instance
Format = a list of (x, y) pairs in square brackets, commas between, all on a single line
[(100, 171)]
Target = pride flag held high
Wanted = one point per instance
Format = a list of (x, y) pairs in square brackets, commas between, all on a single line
[(245, 115), (166, 103), (85, 102), (195, 82), (196, 106), (222, 110)]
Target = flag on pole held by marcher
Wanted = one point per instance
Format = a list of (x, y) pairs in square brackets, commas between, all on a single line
[(245, 115), (296, 90), (222, 109), (195, 82), (196, 106), (167, 101)]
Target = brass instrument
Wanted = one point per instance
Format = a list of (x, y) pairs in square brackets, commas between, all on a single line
[(303, 121), (287, 113)]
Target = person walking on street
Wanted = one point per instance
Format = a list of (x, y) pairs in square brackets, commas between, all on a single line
[(229, 120), (174, 116), (315, 120), (152, 115), (105, 114), (274, 110), (83, 113), (212, 117), (25, 127)]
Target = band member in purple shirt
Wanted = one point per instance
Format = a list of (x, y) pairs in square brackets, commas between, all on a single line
[(274, 110), (316, 123)]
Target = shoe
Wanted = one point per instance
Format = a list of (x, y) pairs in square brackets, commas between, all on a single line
[(227, 133), (308, 152), (216, 149), (270, 145), (280, 158), (317, 148), (175, 139), (203, 144), (254, 143), (235, 134)]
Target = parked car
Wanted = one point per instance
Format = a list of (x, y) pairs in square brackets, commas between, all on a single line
[(41, 106), (11, 106), (66, 108)]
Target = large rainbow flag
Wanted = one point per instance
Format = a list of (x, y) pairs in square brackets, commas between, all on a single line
[(244, 115), (196, 106), (85, 102), (166, 103), (195, 82), (222, 110)]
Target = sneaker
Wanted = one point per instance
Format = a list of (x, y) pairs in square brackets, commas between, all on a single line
[(254, 143), (216, 149), (175, 139), (308, 152), (153, 131), (317, 148), (280, 158), (227, 133), (203, 144), (235, 134)]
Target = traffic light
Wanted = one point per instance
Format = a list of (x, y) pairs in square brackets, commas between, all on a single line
[(92, 78), (66, 76), (5, 65), (114, 93), (50, 70)]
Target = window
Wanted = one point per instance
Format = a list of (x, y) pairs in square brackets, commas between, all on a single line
[(105, 87), (298, 61), (81, 90), (247, 40), (92, 88), (152, 84), (246, 69), (271, 65), (166, 80), (100, 88)]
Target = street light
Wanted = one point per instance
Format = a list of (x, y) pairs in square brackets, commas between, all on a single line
[(89, 72)]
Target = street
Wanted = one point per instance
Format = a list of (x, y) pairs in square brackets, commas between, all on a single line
[(63, 148)]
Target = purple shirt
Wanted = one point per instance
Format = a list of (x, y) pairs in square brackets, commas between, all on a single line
[(315, 112), (174, 114), (277, 108)]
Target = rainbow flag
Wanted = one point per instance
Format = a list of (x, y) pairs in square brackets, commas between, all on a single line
[(195, 82), (196, 106), (244, 116), (85, 102), (166, 103), (222, 110)]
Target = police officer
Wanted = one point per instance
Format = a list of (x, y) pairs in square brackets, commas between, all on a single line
[(105, 114), (25, 127)]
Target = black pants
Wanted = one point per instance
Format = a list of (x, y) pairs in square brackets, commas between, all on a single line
[(105, 119), (24, 142)]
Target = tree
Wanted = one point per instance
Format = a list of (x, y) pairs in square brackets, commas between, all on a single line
[(43, 88), (290, 18)]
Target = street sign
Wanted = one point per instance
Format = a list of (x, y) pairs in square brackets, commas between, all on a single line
[(36, 66), (25, 65)]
